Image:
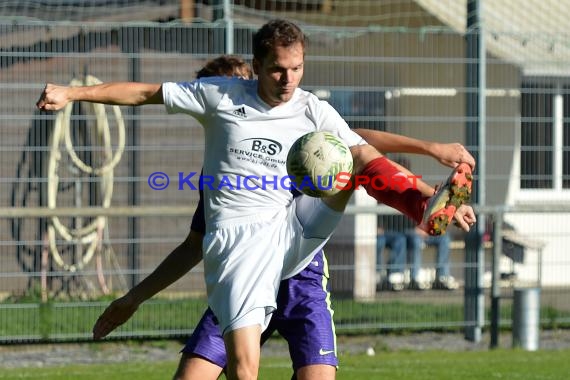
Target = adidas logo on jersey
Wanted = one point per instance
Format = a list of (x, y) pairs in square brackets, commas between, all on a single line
[(240, 112)]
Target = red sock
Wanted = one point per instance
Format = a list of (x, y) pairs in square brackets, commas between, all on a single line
[(401, 195)]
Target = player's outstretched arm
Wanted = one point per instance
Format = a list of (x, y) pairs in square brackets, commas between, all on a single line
[(55, 97), (450, 154), (179, 262)]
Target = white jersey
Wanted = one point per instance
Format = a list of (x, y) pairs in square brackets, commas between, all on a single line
[(247, 142), (255, 233)]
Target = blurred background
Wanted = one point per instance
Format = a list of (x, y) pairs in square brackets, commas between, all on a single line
[(80, 223)]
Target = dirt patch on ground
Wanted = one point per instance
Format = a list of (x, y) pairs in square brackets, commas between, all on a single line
[(42, 355)]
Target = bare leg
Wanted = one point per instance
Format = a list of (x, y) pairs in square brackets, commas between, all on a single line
[(316, 371), (192, 367), (243, 350)]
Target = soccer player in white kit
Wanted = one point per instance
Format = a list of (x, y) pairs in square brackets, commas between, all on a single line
[(303, 316), (256, 234)]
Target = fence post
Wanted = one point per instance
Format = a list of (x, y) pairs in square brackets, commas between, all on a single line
[(495, 279), (365, 232), (475, 139), (526, 318)]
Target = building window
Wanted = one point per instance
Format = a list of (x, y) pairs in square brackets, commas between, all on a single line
[(566, 139), (545, 136)]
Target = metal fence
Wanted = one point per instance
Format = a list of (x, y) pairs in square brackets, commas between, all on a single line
[(81, 224)]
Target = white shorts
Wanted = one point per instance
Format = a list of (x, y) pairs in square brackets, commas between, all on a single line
[(244, 263)]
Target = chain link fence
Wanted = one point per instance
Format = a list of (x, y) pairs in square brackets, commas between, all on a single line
[(81, 224)]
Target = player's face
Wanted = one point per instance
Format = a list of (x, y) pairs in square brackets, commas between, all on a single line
[(280, 74)]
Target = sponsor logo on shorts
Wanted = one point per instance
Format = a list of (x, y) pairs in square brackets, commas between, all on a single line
[(322, 351)]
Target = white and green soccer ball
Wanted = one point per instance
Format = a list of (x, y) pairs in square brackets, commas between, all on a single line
[(317, 161)]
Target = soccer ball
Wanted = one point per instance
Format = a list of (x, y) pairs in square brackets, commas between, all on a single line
[(315, 161)]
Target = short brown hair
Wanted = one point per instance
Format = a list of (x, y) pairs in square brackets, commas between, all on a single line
[(226, 65), (276, 33)]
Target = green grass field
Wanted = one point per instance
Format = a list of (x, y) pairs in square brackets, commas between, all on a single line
[(408, 365)]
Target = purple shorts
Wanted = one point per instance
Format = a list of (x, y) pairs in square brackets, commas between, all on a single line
[(303, 317)]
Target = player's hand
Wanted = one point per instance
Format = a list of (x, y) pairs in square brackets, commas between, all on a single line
[(53, 98), (465, 217), (421, 232), (117, 313), (452, 154)]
